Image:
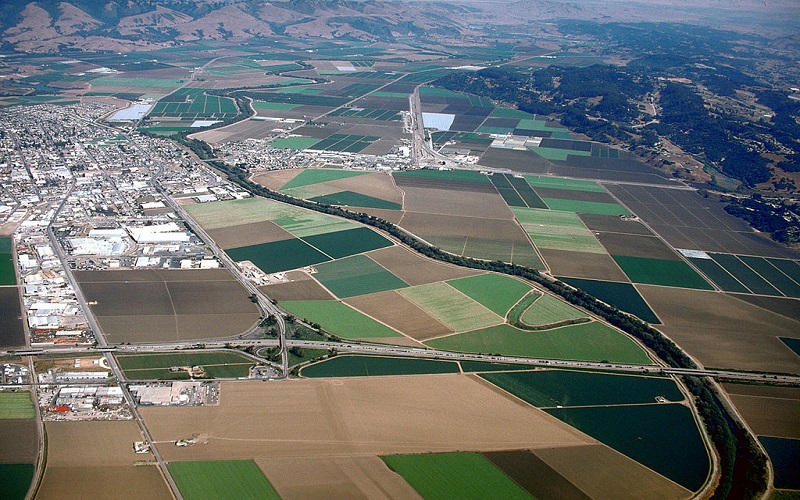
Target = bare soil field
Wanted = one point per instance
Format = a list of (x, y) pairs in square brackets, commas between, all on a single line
[(415, 269), (583, 265), (393, 216), (301, 287), (601, 472), (734, 334), (570, 194), (453, 225), (239, 131), (517, 161), (535, 476), (249, 234), (783, 306), (769, 411), (141, 306), (378, 185), (355, 417), (19, 441), (636, 245), (358, 477), (399, 313), (614, 224), (458, 203), (100, 456), (276, 179)]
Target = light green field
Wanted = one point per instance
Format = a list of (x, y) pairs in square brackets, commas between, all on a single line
[(547, 310), (311, 176), (293, 142), (382, 93), (159, 83), (586, 207), (562, 183), (16, 405), (438, 92), (451, 307), (312, 191), (465, 475), (338, 319), (275, 106), (558, 154), (586, 342), (300, 90), (304, 223), (511, 113), (356, 275), (495, 291), (557, 230), (218, 479)]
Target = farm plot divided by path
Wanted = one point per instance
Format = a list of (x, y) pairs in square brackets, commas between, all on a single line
[(19, 443)]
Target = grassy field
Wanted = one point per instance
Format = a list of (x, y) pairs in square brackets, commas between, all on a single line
[(450, 175), (293, 142), (220, 479), (356, 275), (590, 342), (16, 405), (454, 475), (15, 479), (621, 295), (275, 106), (157, 366), (661, 272), (558, 154), (315, 176), (586, 207), (340, 244), (7, 273), (353, 199), (497, 292), (364, 366), (557, 230), (451, 307), (551, 388), (278, 256), (338, 319), (547, 310), (562, 183)]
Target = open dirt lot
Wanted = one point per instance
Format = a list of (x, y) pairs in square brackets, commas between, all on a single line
[(249, 234), (98, 455), (583, 265), (300, 287), (769, 411), (636, 245), (399, 313), (275, 179), (723, 332), (415, 269), (19, 442), (447, 202)]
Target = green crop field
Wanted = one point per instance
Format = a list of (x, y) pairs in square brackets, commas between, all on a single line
[(557, 230), (587, 342), (511, 113), (547, 310), (218, 479), (338, 319), (381, 93), (348, 242), (439, 92), (7, 273), (306, 223), (315, 176), (274, 106), (661, 272), (663, 437), (450, 175), (156, 83), (278, 256), (771, 273), (586, 207), (15, 480), (562, 183), (718, 275), (497, 292), (558, 154), (743, 273), (451, 307), (482, 366), (371, 366), (352, 199), (464, 475), (552, 388), (621, 295), (293, 142), (235, 212), (356, 275), (16, 405), (157, 366)]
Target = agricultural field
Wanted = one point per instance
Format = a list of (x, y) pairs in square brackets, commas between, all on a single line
[(164, 305), (100, 454), (157, 366), (356, 275), (221, 478), (556, 230), (194, 104), (19, 443), (749, 274), (784, 454), (7, 272), (339, 319), (623, 296), (547, 310), (673, 273), (16, 405), (373, 366), (453, 308), (12, 332), (768, 410)]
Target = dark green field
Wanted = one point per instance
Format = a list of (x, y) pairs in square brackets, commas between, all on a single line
[(793, 344), (552, 388), (12, 331), (312, 176), (784, 454), (356, 275), (497, 292), (483, 366), (719, 276), (776, 278), (663, 437), (240, 479), (744, 274), (15, 479), (450, 175), (340, 244), (364, 366), (7, 272), (661, 272), (352, 199), (279, 255), (620, 295)]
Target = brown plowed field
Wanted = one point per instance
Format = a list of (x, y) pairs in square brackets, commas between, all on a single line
[(19, 442), (769, 411), (723, 332), (636, 245), (410, 181), (130, 309), (572, 194), (613, 224), (583, 265), (783, 306), (602, 473), (535, 476), (488, 205), (276, 179), (239, 131), (378, 185), (249, 234), (301, 289), (99, 457), (393, 216), (360, 477), (415, 269), (453, 225), (356, 417), (399, 313)]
